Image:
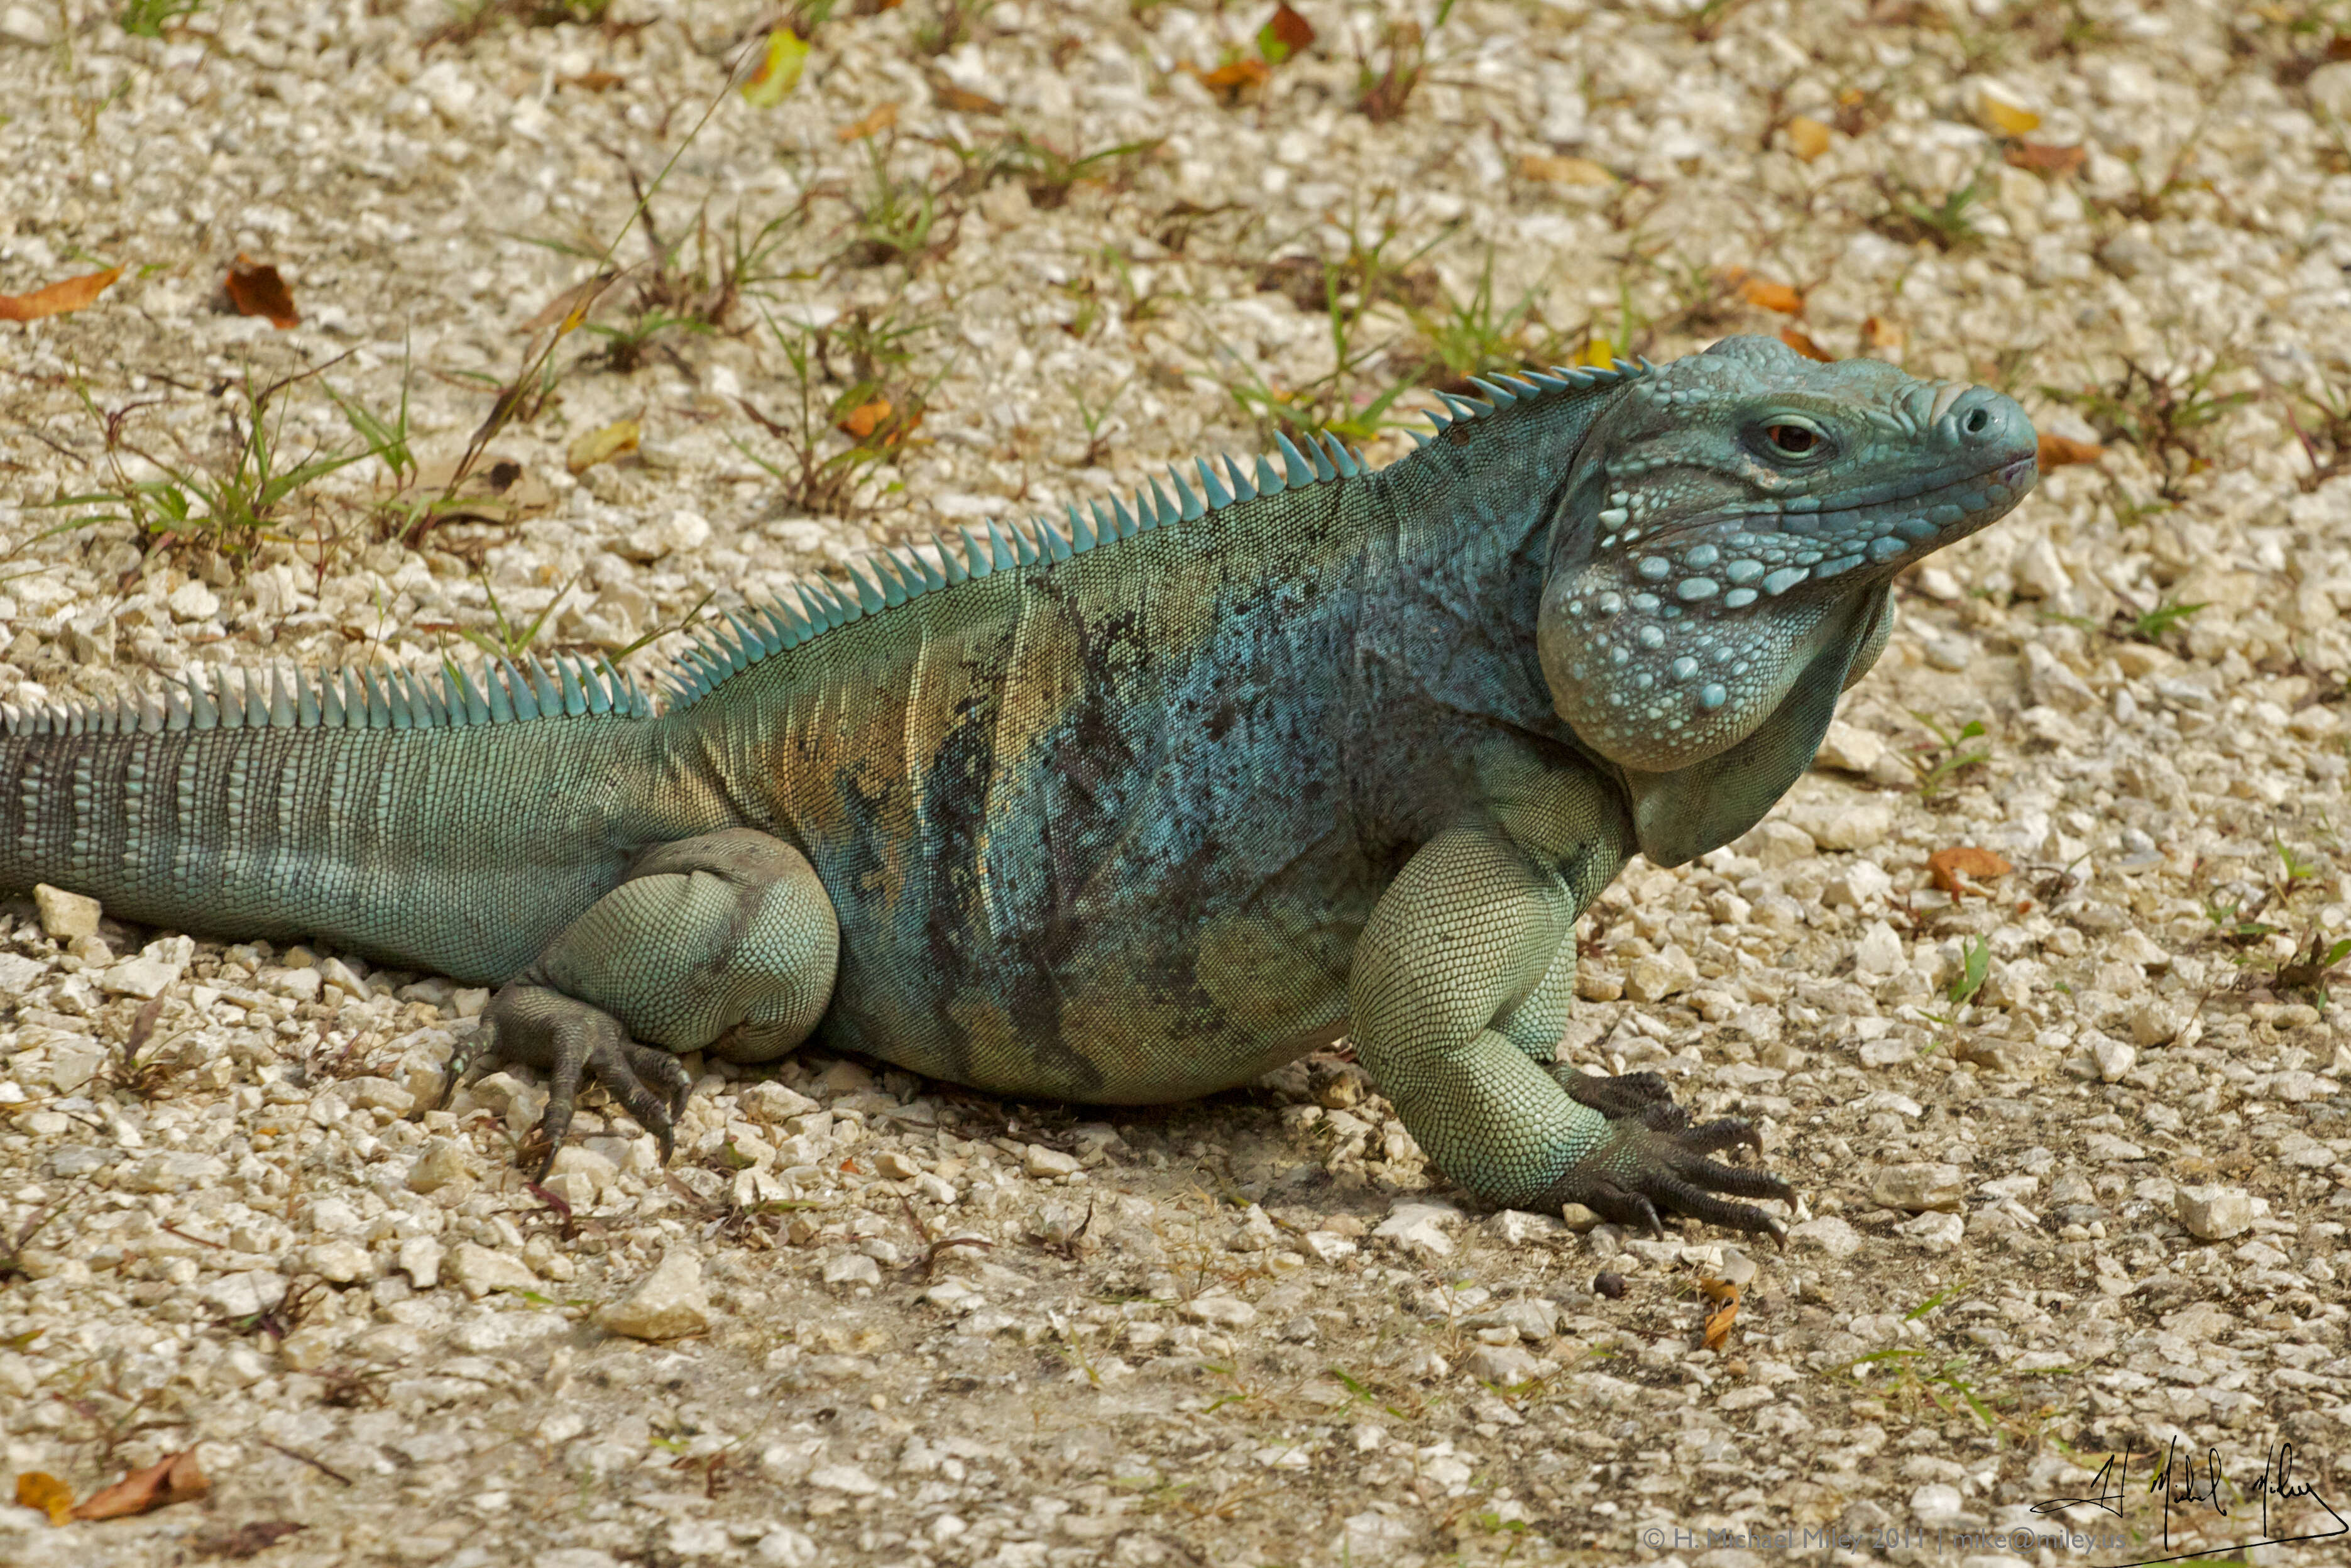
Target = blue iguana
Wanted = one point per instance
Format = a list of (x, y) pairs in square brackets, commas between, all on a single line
[(1125, 811)]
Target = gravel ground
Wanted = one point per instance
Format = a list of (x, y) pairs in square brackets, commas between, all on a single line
[(2072, 1142)]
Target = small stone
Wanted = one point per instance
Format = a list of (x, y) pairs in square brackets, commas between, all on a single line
[(441, 1163), (683, 532), (1507, 1365), (1775, 843), (1919, 1186), (138, 977), (1936, 1503), (1849, 822), (2114, 1059), (1849, 749), (420, 1260), (668, 1303), (591, 1169), (1935, 1232), (1373, 1537), (2213, 1213), (846, 1478), (771, 1102), (1859, 884), (481, 1270), (1327, 1247), (65, 916), (245, 1293), (335, 972), (341, 1262), (891, 1165), (172, 1170), (851, 1270), (785, 1547), (191, 601), (1220, 1311), (1419, 1230), (1577, 1218), (1880, 954), (2158, 1022), (1517, 1228), (1654, 977), (1041, 1161), (1830, 1234)]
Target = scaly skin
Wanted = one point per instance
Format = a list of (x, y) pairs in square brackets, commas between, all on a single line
[(1144, 818)]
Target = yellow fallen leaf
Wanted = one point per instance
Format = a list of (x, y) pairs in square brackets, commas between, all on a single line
[(1599, 351), (882, 119), (779, 70), (38, 1489), (602, 445), (71, 294), (1998, 112), (1807, 137), (1555, 168)]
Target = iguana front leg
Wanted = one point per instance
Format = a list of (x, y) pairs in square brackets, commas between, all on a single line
[(1461, 986), (727, 941)]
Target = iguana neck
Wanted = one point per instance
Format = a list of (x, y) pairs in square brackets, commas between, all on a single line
[(1455, 578)]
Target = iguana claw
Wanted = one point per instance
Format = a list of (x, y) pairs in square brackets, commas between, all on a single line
[(1657, 1158), (563, 1037)]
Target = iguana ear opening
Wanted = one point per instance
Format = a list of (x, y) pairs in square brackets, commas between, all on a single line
[(1679, 816)]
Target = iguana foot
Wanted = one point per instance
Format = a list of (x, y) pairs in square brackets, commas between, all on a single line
[(561, 1035), (1655, 1160)]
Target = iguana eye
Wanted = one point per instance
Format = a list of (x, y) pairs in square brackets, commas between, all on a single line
[(1791, 440)]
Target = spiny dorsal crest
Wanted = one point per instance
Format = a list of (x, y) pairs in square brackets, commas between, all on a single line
[(888, 579), (511, 692), (508, 692)]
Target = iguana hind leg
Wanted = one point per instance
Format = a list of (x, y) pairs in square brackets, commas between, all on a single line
[(1460, 984), (725, 942)]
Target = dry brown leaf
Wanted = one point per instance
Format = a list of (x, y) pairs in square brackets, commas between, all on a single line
[(594, 81), (865, 419), (884, 117), (962, 101), (1558, 169), (1884, 337), (175, 1478), (255, 289), (1807, 137), (1766, 295), (1802, 344), (1719, 1323), (602, 445), (38, 1489), (56, 298), (2058, 451), (2041, 157), (1234, 78), (1948, 866), (1289, 29)]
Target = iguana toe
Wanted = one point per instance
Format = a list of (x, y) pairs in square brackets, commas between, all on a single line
[(565, 1037), (1655, 1161)]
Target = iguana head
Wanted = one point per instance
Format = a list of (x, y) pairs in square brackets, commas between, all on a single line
[(1720, 559)]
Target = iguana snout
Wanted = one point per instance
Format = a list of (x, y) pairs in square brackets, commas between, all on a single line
[(1725, 539)]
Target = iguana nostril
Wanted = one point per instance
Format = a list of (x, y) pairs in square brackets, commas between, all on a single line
[(1979, 421)]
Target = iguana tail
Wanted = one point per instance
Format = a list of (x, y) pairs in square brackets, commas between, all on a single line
[(437, 825)]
